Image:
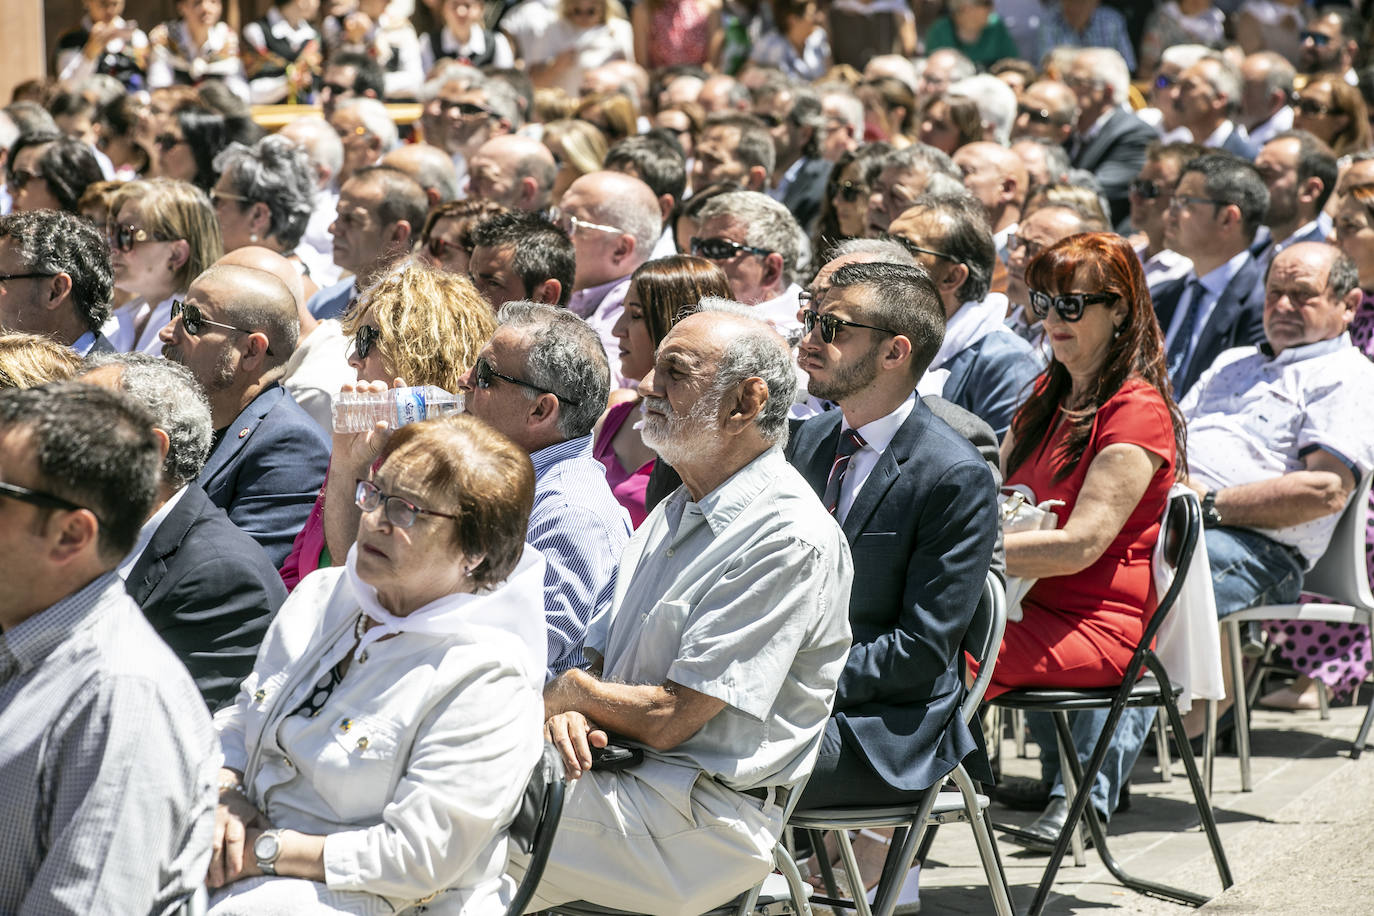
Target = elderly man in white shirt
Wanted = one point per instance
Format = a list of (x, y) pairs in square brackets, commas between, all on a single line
[(721, 653), (1271, 446)]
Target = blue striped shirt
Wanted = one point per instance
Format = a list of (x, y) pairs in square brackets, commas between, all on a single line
[(1106, 29), (581, 530)]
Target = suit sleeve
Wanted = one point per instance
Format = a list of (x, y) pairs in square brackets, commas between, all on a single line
[(1001, 386), (955, 531), (1127, 157)]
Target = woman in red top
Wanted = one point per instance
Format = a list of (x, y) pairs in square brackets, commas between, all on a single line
[(1102, 433)]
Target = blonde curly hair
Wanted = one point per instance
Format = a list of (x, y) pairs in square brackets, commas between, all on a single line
[(28, 360), (431, 324)]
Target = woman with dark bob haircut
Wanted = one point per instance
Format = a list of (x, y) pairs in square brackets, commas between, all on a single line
[(50, 172), (378, 751), (1101, 432)]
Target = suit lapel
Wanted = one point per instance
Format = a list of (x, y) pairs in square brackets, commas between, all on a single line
[(817, 440), (1090, 156), (151, 566), (886, 471), (237, 434)]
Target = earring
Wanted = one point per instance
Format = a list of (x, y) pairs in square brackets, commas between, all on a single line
[(253, 237), (1116, 332)]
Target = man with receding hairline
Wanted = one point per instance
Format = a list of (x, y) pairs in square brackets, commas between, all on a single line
[(235, 331), (513, 171), (430, 167)]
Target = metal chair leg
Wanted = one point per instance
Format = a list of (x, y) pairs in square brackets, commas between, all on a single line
[(1166, 764), (1241, 709), (900, 857), (987, 847), (801, 896), (1018, 731), (1323, 700), (1209, 745), (857, 891), (1066, 750), (1363, 736), (832, 889)]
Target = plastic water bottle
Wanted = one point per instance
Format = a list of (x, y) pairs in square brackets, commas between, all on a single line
[(359, 411)]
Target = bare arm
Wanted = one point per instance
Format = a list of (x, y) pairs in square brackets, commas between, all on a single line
[(1116, 480), (1290, 499), (352, 456), (640, 21)]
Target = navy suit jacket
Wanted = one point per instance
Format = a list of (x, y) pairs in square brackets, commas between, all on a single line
[(332, 301), (921, 532), (992, 378), (267, 469), (1116, 155), (209, 591), (1237, 321), (806, 193)]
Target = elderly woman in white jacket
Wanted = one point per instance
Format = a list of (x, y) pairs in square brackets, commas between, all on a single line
[(377, 753)]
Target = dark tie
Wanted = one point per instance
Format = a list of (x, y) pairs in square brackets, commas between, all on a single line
[(1181, 348), (850, 442)]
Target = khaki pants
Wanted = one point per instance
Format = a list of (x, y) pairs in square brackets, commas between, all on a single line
[(660, 838)]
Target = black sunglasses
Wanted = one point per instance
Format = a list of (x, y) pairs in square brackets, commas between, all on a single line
[(399, 512), (20, 178), (719, 249), (1144, 187), (830, 324), (192, 320), (168, 142), (1313, 108), (1036, 115), (483, 373), (1319, 39), (124, 238), (769, 120), (364, 338), (336, 89), (852, 191), (1069, 306), (467, 109)]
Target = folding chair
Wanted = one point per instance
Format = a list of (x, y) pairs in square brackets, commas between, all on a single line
[(982, 641), (1182, 528), (1341, 574), (536, 823)]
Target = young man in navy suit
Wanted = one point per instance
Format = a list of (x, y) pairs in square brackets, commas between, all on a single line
[(918, 506)]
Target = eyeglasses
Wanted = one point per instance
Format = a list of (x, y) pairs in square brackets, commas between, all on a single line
[(1020, 241), (917, 249), (336, 89), (217, 197), (19, 178), (719, 249), (124, 238), (829, 323), (399, 512), (466, 110), (769, 120), (1181, 201), (1069, 306), (483, 373), (438, 247), (1314, 109), (1319, 39), (571, 224), (364, 338), (30, 275), (168, 142), (851, 191), (192, 320), (1036, 115), (1147, 189), (1164, 81), (40, 499)]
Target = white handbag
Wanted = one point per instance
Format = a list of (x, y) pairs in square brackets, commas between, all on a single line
[(1020, 512)]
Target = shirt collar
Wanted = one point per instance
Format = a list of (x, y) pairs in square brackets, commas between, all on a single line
[(145, 534), (1217, 279), (1321, 221), (550, 455), (477, 42), (878, 434), (1218, 136), (584, 302), (1307, 351), (1097, 125), (723, 505), (286, 31), (83, 344), (33, 640)]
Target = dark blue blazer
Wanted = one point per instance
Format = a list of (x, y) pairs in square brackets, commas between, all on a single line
[(992, 378), (267, 469), (1116, 155), (921, 532), (332, 301), (806, 193), (1237, 321), (209, 591)]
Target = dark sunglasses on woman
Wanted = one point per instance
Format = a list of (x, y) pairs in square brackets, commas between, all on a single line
[(124, 238), (1069, 306), (852, 192)]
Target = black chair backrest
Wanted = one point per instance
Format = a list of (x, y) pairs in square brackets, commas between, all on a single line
[(536, 823), (1182, 527)]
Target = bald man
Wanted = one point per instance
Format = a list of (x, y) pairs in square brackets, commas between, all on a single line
[(431, 168), (318, 366), (1047, 110), (237, 329), (997, 177), (513, 171)]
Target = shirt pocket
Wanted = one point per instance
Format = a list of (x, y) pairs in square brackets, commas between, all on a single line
[(359, 767), (1276, 419), (663, 623)]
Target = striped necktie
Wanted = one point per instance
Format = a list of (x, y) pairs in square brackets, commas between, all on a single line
[(1182, 347), (850, 442)]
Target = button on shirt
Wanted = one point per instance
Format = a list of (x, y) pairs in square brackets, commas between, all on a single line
[(1215, 283), (108, 765), (877, 437), (743, 596), (1253, 416)]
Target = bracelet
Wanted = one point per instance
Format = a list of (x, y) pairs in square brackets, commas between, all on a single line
[(230, 785)]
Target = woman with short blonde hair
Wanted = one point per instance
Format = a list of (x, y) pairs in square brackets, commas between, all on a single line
[(30, 360)]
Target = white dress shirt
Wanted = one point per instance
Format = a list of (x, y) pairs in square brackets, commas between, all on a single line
[(877, 436), (1215, 283)]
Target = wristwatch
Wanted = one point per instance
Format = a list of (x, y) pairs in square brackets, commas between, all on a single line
[(267, 849), (1211, 518)]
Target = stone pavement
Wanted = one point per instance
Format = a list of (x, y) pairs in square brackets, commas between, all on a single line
[(1298, 844)]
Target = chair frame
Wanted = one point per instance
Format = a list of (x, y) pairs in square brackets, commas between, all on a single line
[(1341, 574), (982, 641), (547, 785), (1183, 528)]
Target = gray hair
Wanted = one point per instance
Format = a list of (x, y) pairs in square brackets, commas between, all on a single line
[(945, 185), (910, 73), (1184, 56), (1225, 80), (924, 158), (170, 392), (966, 237), (886, 251), (449, 72), (9, 131), (995, 100), (321, 145), (566, 356), (1279, 77), (1344, 275), (848, 107), (276, 172), (756, 351), (767, 223), (376, 120), (502, 98), (1110, 68)]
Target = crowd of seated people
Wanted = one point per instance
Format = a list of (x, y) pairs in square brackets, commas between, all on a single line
[(751, 308)]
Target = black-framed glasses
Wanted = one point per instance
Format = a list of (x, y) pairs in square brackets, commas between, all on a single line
[(401, 513), (193, 321), (1146, 188), (719, 249), (466, 110), (27, 275), (852, 191), (769, 120), (830, 324), (917, 249), (1069, 306), (1320, 39), (483, 373), (438, 247), (168, 142), (124, 238), (40, 499), (1312, 108), (364, 339), (19, 178), (1036, 115), (1180, 201)]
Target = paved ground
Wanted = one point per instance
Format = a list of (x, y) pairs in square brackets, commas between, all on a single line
[(1297, 844)]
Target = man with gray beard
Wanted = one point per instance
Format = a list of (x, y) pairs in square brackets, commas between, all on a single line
[(235, 330), (719, 657)]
